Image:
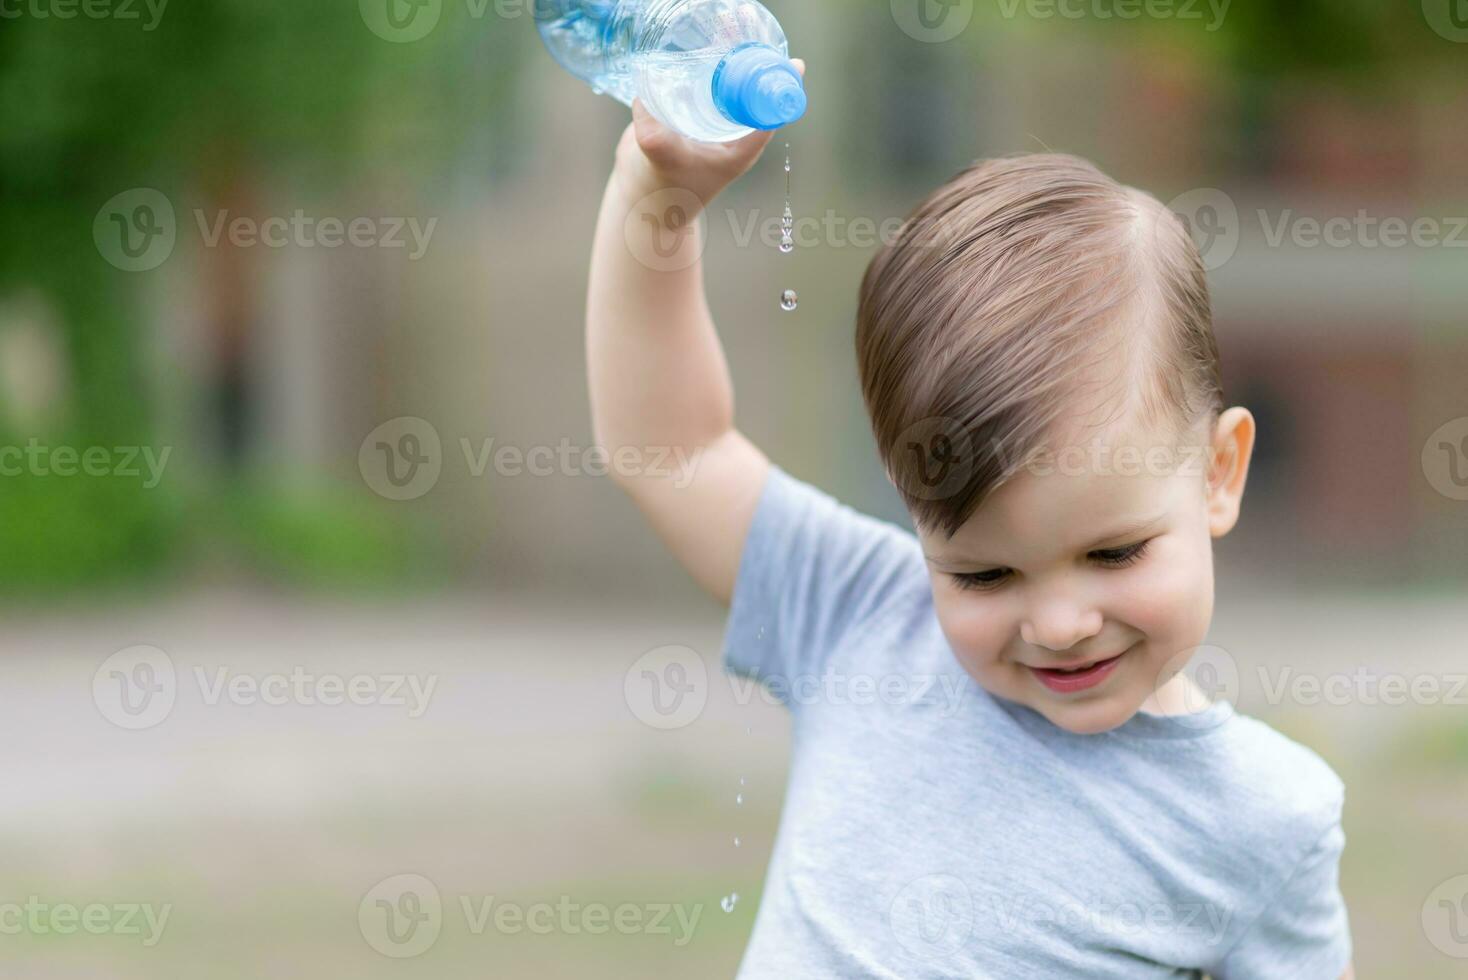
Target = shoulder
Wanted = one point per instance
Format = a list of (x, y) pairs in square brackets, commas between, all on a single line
[(800, 523), (1276, 800), (1281, 775), (813, 571)]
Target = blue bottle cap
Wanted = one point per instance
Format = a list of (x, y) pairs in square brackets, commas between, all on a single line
[(756, 86)]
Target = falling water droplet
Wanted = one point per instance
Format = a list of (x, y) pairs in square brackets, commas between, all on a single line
[(736, 842), (738, 799), (787, 245), (728, 902), (788, 300), (741, 780)]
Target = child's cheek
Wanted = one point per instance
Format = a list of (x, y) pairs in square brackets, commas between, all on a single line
[(973, 622), (1169, 597)]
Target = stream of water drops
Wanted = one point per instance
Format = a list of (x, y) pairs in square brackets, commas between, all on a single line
[(788, 299)]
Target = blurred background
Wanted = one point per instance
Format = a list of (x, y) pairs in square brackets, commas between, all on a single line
[(292, 395)]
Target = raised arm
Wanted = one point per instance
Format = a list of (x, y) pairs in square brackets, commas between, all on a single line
[(659, 382)]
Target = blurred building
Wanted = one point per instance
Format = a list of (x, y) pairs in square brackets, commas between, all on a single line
[(1350, 354)]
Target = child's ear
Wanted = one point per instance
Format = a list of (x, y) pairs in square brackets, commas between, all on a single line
[(1228, 468)]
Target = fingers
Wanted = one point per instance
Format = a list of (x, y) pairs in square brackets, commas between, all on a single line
[(743, 152), (654, 138), (799, 64)]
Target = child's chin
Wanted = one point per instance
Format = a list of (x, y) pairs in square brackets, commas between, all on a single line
[(1087, 717)]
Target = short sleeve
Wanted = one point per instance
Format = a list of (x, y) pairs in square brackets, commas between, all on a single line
[(1303, 932), (812, 569)]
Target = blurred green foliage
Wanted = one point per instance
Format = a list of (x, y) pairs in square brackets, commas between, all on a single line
[(215, 92)]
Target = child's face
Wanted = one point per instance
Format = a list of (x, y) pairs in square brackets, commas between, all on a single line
[(1046, 573)]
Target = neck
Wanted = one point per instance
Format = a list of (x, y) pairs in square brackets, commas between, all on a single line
[(1179, 696)]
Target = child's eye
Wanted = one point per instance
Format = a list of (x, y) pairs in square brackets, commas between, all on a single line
[(1121, 557), (1110, 557), (980, 581)]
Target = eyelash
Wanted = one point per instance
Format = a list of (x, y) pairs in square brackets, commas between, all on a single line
[(1118, 558)]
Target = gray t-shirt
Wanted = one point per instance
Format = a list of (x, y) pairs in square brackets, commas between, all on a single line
[(931, 829)]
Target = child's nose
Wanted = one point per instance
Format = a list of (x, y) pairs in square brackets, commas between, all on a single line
[(1059, 625)]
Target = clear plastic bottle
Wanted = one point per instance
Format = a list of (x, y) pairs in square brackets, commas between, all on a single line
[(713, 70)]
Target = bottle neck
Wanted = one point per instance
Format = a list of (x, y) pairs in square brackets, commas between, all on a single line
[(757, 86)]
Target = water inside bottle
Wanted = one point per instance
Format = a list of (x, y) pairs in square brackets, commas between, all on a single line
[(592, 40)]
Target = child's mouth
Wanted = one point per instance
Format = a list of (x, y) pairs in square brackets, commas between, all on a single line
[(1066, 681)]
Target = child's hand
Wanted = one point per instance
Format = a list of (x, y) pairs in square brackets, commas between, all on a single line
[(651, 157)]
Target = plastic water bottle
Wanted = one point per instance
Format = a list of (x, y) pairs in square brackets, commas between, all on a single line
[(713, 70)]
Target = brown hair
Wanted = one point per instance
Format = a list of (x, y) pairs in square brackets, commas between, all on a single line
[(1007, 294)]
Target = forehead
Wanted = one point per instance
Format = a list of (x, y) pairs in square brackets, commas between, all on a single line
[(1077, 487)]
